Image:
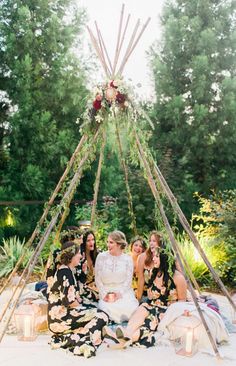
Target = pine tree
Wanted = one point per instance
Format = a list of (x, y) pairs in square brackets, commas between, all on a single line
[(43, 75), (195, 80)]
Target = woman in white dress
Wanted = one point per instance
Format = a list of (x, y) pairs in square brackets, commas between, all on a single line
[(113, 277)]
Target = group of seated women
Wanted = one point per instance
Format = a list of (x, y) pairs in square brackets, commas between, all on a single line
[(88, 291)]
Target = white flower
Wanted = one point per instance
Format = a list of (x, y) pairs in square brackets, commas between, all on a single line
[(188, 109), (98, 118), (187, 95)]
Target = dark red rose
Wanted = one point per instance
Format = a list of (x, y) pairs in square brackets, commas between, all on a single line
[(113, 85), (120, 98), (97, 104)]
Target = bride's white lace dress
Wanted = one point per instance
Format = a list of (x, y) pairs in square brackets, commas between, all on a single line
[(114, 274)]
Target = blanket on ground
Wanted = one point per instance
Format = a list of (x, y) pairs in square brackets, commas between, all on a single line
[(213, 320)]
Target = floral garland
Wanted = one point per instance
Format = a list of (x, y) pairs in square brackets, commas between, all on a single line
[(107, 97)]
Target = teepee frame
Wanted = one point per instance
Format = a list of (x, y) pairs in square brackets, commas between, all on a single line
[(77, 163)]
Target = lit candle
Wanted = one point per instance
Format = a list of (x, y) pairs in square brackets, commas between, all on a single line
[(189, 340), (27, 326)]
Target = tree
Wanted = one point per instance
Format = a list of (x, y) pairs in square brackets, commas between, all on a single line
[(43, 75), (194, 70)]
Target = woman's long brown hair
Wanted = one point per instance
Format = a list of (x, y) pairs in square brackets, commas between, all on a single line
[(148, 252)]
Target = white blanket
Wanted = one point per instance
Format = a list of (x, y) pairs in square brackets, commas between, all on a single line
[(213, 320)]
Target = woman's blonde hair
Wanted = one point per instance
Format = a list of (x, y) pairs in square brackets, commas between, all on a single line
[(119, 238)]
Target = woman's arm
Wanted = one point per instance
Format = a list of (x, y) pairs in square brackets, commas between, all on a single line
[(181, 286), (129, 270), (68, 288), (140, 274), (98, 279)]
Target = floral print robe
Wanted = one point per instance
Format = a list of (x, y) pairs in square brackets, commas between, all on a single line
[(76, 329), (157, 303)]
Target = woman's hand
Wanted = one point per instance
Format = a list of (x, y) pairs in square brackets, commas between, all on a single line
[(112, 296)]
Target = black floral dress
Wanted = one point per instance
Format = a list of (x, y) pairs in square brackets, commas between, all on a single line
[(76, 329), (157, 303), (88, 289)]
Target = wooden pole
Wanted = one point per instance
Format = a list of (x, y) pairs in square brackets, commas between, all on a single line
[(125, 170), (102, 46), (189, 231), (105, 49), (118, 41), (34, 257), (125, 58), (46, 211), (96, 47), (97, 180), (121, 43), (176, 249), (133, 47)]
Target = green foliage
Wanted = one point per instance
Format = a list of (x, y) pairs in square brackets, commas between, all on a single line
[(107, 219), (10, 252), (217, 221), (215, 252), (194, 69), (44, 83)]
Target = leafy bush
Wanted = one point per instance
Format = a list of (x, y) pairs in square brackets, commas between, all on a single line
[(217, 221), (216, 254), (107, 219)]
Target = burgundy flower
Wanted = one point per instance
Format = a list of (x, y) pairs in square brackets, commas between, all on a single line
[(97, 104), (120, 98), (113, 85)]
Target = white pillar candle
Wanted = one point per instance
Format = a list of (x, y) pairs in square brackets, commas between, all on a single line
[(189, 341), (27, 326)]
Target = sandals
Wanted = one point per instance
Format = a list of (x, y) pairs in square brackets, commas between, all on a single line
[(107, 333), (120, 334), (124, 340)]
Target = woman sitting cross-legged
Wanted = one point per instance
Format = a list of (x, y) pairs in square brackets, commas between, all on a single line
[(113, 276), (75, 326), (164, 287)]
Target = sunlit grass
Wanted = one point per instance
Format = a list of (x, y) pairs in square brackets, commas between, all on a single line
[(215, 253)]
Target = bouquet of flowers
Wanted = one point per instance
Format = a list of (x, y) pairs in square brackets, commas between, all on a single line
[(108, 96)]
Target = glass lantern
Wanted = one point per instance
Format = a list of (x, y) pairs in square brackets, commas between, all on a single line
[(25, 323), (185, 332), (84, 224)]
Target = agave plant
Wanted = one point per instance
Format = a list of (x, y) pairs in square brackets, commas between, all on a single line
[(10, 252)]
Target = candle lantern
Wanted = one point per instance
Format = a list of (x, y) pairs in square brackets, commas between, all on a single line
[(25, 323), (185, 333), (84, 224)]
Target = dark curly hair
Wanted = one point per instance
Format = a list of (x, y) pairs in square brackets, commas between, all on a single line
[(93, 253), (68, 251), (163, 269)]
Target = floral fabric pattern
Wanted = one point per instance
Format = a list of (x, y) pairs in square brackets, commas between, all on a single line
[(88, 290), (76, 329), (157, 303)]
